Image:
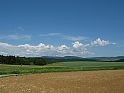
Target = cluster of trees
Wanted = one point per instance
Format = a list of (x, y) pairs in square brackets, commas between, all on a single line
[(22, 60)]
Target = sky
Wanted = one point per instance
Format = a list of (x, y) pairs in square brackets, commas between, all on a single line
[(84, 28)]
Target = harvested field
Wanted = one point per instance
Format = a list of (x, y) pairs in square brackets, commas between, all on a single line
[(105, 81)]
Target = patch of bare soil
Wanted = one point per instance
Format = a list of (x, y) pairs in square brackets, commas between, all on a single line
[(106, 81)]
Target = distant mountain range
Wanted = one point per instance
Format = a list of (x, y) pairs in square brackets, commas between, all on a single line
[(75, 58), (108, 58), (65, 57)]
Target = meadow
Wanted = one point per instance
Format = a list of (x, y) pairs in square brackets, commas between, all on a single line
[(60, 67)]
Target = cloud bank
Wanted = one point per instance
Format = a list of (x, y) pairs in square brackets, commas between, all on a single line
[(76, 49)]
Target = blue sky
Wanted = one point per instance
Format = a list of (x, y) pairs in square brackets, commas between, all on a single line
[(62, 27)]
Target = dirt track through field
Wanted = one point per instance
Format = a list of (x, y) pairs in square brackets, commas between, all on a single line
[(68, 82)]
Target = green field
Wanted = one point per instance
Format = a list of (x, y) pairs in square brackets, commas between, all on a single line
[(60, 67)]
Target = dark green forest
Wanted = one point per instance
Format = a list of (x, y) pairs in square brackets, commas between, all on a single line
[(16, 60)]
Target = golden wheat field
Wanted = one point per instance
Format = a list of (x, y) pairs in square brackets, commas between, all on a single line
[(105, 81)]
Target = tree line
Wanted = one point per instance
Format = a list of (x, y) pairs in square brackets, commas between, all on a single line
[(16, 60)]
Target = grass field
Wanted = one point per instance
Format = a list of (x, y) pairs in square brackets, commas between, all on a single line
[(60, 67)]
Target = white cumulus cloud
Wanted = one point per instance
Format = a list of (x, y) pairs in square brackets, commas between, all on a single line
[(80, 48), (100, 42)]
